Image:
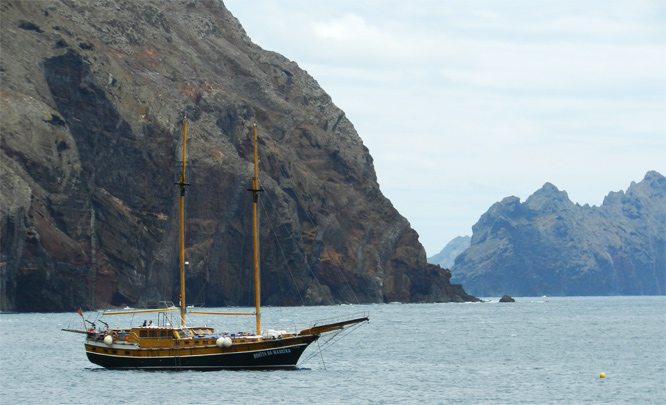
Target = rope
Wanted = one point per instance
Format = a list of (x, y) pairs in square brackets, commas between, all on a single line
[(321, 354), (331, 339), (284, 256)]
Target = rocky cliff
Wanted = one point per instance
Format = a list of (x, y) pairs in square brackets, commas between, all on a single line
[(551, 246), (93, 96)]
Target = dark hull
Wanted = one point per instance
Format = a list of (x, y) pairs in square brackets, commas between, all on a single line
[(282, 354)]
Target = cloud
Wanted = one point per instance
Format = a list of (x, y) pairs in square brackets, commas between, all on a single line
[(469, 102), (349, 28)]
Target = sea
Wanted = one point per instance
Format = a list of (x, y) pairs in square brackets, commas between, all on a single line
[(538, 350)]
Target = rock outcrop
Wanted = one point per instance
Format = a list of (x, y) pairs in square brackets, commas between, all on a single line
[(93, 95), (551, 246)]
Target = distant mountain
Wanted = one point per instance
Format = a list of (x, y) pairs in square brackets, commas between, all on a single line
[(447, 256), (551, 246)]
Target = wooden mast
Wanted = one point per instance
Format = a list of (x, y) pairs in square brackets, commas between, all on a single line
[(182, 227), (255, 233)]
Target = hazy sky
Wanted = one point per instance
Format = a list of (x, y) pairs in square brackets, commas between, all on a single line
[(463, 103)]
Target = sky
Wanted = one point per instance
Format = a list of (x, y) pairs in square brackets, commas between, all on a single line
[(464, 103)]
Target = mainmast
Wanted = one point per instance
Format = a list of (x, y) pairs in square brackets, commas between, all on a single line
[(255, 233), (182, 185)]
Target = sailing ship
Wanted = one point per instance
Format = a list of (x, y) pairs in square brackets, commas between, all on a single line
[(172, 344)]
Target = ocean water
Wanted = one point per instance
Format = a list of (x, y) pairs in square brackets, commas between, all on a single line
[(535, 351)]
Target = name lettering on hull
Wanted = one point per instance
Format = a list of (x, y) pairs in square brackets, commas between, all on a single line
[(272, 353)]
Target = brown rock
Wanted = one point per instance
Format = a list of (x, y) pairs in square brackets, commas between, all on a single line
[(93, 96)]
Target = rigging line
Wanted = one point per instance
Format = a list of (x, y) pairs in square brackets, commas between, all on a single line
[(309, 218), (342, 332), (202, 289), (330, 341), (321, 355), (244, 286), (248, 280), (321, 347), (270, 224)]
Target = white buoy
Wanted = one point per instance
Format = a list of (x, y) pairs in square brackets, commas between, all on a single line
[(108, 340), (223, 342)]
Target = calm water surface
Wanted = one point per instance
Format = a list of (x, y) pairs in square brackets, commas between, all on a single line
[(537, 350)]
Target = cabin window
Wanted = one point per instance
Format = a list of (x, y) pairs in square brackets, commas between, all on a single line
[(114, 351), (185, 333), (143, 333), (127, 352), (163, 333), (94, 349), (153, 333)]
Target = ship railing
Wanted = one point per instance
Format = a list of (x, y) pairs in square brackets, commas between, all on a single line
[(342, 318), (336, 324)]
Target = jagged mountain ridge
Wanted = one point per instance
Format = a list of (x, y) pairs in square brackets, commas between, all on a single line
[(93, 95), (447, 256), (550, 246)]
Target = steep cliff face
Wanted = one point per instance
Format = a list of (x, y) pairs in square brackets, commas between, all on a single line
[(551, 246), (93, 96)]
